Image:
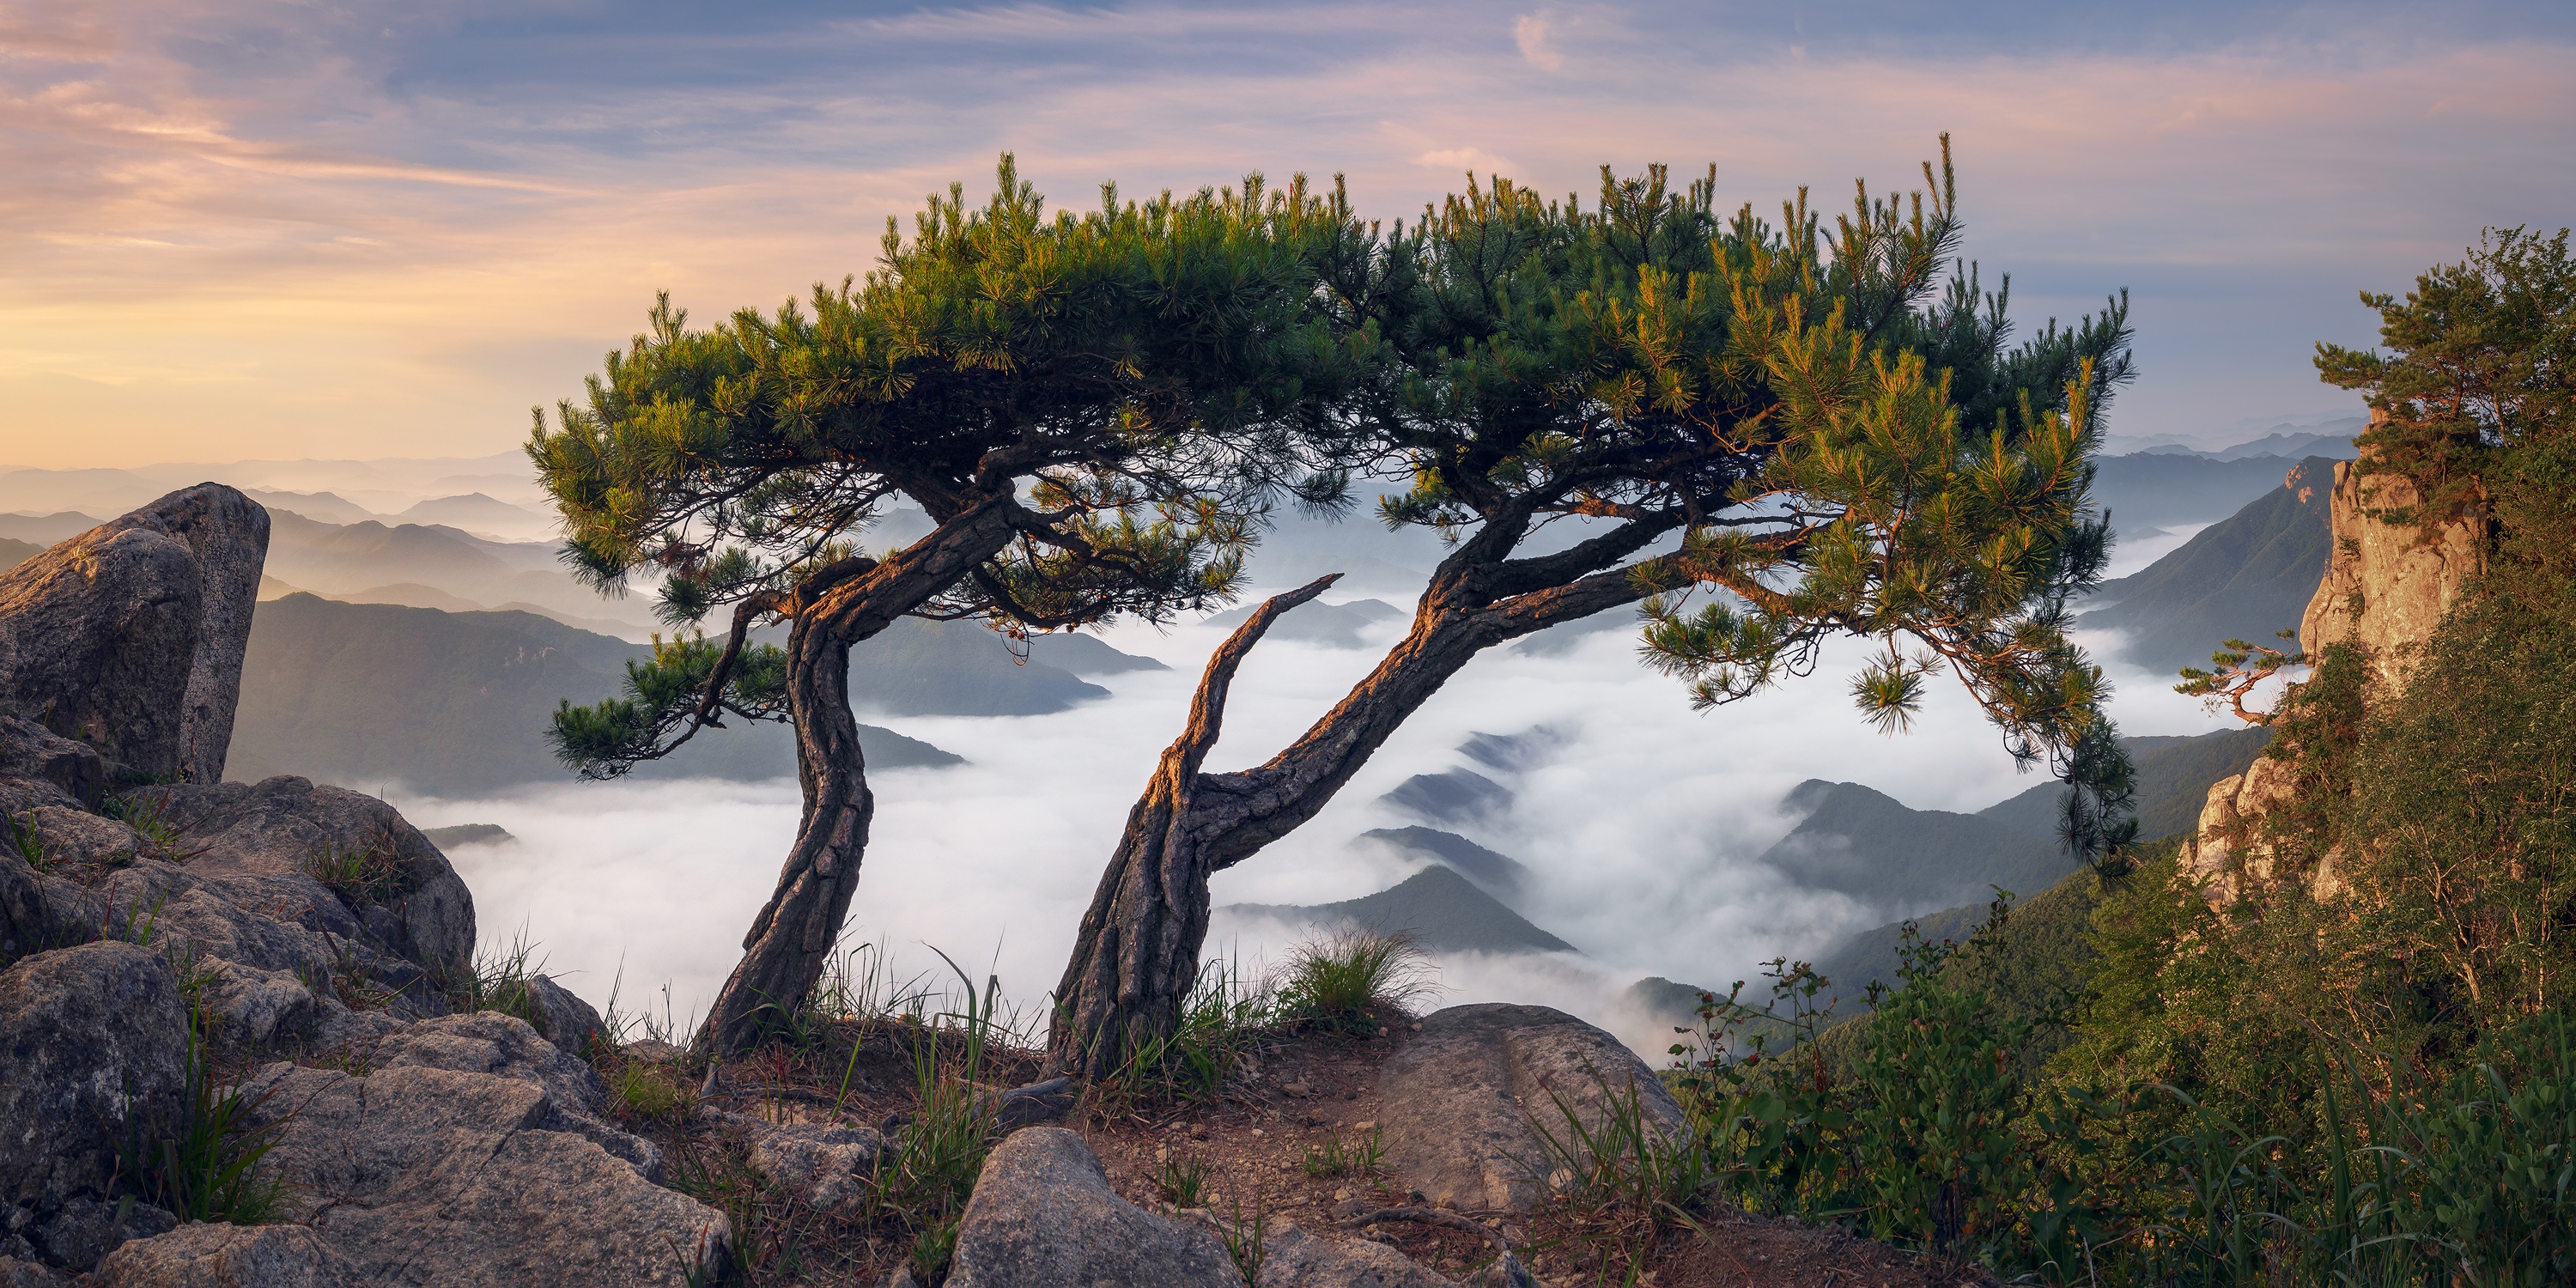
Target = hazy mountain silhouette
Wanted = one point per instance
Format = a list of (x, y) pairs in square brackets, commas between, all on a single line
[(1866, 844), (1444, 911), (1458, 796), (2152, 490), (1500, 875), (1316, 622), (2174, 775), (2244, 577), (458, 703)]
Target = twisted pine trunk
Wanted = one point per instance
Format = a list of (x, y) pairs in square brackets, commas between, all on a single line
[(1150, 913), (1137, 954), (791, 940)]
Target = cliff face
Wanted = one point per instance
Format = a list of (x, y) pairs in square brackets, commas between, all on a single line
[(2386, 586)]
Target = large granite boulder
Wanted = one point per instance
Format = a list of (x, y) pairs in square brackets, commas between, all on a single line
[(93, 1047), (130, 636), (1472, 1104), (1043, 1216), (424, 1175)]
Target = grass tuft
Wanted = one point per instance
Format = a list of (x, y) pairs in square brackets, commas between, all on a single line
[(1354, 980), (501, 979), (371, 872), (204, 1166), (1182, 1180)]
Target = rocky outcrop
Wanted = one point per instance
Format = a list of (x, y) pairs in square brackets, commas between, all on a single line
[(2386, 586), (1476, 1106), (129, 637), (424, 1175), (1043, 1216), (271, 846), (199, 1255), (1292, 1258), (93, 1051)]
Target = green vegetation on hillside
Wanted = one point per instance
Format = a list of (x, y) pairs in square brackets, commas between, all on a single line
[(2352, 1061)]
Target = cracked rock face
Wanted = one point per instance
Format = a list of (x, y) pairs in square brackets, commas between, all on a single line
[(1292, 1258), (130, 636), (1043, 1216), (827, 1166), (93, 1044), (2386, 586), (199, 1255), (1471, 1103), (425, 1175)]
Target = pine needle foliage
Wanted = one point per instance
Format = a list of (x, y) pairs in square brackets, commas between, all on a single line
[(1136, 385), (1829, 431)]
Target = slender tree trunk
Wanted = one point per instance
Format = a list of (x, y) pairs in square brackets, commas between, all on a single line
[(1137, 954), (792, 938), (1150, 914)]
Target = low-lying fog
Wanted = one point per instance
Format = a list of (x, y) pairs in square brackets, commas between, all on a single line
[(1641, 823)]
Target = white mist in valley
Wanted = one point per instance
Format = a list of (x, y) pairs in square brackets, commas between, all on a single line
[(1641, 822)]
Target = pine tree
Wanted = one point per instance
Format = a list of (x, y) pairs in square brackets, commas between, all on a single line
[(1093, 411), (1826, 437)]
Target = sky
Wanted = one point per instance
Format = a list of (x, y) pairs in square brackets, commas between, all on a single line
[(288, 228)]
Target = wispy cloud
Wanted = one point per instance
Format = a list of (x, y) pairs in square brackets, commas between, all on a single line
[(406, 233), (1531, 31)]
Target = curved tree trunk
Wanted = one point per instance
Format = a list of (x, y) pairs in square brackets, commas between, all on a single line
[(1137, 954), (792, 938), (1150, 914)]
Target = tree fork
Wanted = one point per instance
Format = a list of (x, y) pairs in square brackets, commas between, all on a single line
[(1150, 913), (1137, 954)]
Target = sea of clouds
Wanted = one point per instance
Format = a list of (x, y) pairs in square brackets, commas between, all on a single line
[(1641, 820)]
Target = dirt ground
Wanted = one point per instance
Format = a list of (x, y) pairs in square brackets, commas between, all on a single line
[(1249, 1147)]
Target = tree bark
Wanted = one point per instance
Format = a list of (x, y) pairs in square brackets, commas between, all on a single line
[(1150, 913), (1137, 954), (792, 938)]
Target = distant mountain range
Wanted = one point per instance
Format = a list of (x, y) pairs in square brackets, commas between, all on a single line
[(2244, 577), (1316, 622), (1442, 910), (2152, 491), (457, 703), (1863, 843)]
